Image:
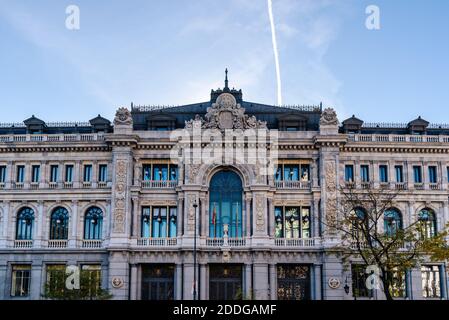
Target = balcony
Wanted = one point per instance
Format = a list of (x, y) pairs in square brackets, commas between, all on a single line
[(23, 244), (53, 185), (34, 185), (404, 138), (102, 184), (86, 184), (68, 185), (223, 242), (57, 244), (92, 244), (159, 184), (419, 186), (51, 137), (157, 242), (298, 242), (17, 185), (2, 185), (434, 186), (400, 185), (287, 184)]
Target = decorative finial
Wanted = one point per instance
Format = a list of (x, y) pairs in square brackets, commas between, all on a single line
[(226, 78)]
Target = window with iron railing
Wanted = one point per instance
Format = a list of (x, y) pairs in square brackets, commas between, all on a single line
[(289, 171), (160, 172), (158, 222)]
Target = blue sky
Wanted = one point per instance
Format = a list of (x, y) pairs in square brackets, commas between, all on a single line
[(175, 51)]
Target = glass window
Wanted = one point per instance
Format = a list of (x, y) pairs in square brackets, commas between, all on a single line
[(359, 224), (91, 278), (398, 284), (93, 223), (417, 174), (428, 223), (21, 279), (69, 173), (431, 281), (160, 224), (20, 177), (59, 224), (291, 172), (35, 171), (102, 173), (160, 172), (25, 220), (364, 173), (383, 173), (278, 173), (399, 174), (359, 277), (87, 174), (146, 172), (349, 173), (56, 278), (432, 174), (292, 222), (392, 221), (54, 173), (305, 172), (225, 209), (2, 174)]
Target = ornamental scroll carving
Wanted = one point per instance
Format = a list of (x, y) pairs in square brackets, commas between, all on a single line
[(260, 213), (193, 172), (331, 195), (120, 196), (224, 114)]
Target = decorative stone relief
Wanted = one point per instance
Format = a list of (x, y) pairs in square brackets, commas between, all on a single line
[(331, 195), (191, 213), (329, 117), (123, 117), (193, 172), (120, 193), (260, 213), (224, 114)]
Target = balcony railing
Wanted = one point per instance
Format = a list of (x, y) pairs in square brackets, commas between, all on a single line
[(92, 244), (57, 244), (2, 185), (102, 184), (157, 242), (221, 242), (299, 242), (17, 185), (159, 184), (366, 184), (434, 186), (397, 138), (34, 185), (23, 244), (53, 185), (51, 137), (419, 186), (400, 185), (291, 184), (68, 185), (364, 245)]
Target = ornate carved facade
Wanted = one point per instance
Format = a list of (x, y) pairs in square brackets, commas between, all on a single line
[(125, 205)]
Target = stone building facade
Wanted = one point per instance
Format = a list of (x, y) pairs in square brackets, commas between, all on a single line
[(113, 199)]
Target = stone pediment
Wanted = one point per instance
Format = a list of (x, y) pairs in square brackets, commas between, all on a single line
[(226, 113)]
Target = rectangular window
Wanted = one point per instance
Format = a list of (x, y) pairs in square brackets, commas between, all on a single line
[(21, 278), (398, 285), (55, 279), (69, 173), (20, 177), (291, 172), (432, 174), (159, 222), (399, 174), (54, 173), (35, 172), (359, 277), (2, 174), (163, 172), (87, 173), (146, 172), (364, 173), (349, 173), (431, 278), (383, 173), (90, 278), (417, 174), (102, 173), (292, 222)]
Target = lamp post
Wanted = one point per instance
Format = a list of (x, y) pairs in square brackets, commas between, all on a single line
[(195, 206)]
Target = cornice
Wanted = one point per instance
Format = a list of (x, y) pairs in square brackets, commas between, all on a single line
[(395, 149), (68, 148)]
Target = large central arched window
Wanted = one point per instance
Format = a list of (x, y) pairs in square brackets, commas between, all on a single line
[(225, 209)]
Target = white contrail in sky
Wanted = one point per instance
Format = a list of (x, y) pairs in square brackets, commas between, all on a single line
[(275, 50)]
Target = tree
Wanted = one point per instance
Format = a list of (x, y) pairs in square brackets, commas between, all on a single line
[(89, 289), (372, 230)]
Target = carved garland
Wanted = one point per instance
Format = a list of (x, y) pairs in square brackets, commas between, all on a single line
[(120, 190), (331, 195)]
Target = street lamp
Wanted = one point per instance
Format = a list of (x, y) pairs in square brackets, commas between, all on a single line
[(195, 206)]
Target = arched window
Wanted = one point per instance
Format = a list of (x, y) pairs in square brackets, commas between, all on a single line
[(59, 224), (359, 220), (428, 223), (93, 223), (25, 220), (225, 210), (392, 221)]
